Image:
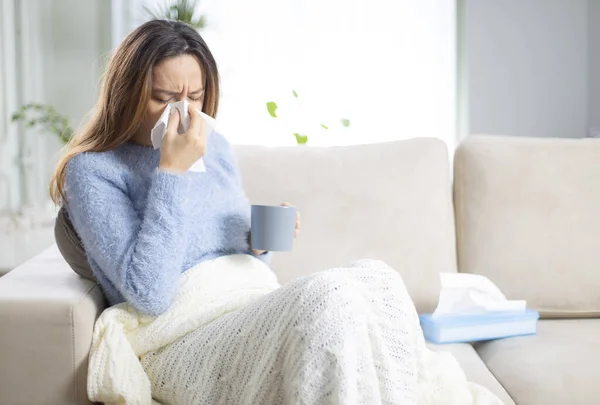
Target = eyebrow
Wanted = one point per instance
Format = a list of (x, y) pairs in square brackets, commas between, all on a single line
[(174, 93)]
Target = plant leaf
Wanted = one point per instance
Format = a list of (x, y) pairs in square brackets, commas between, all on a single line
[(271, 107), (200, 23), (345, 122), (301, 139), (295, 94), (45, 117), (324, 126)]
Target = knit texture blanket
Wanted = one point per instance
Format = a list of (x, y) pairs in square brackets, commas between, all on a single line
[(348, 335)]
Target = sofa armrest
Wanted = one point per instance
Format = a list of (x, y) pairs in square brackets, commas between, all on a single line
[(47, 315)]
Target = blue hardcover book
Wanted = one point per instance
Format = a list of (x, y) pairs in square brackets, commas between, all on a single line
[(476, 327)]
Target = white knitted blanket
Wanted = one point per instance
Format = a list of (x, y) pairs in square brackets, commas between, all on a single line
[(224, 298)]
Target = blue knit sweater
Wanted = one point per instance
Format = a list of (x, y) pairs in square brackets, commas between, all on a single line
[(142, 227)]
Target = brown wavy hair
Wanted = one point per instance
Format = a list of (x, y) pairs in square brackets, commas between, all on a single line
[(127, 86)]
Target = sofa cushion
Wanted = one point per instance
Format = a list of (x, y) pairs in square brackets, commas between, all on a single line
[(474, 368), (528, 217), (560, 365), (389, 201)]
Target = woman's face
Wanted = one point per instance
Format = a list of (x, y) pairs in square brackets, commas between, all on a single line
[(173, 79)]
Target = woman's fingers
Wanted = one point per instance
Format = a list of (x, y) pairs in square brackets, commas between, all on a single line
[(179, 153), (297, 230)]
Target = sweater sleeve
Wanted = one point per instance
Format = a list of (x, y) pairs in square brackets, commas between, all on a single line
[(140, 255)]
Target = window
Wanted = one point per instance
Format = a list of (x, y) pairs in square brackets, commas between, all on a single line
[(388, 66)]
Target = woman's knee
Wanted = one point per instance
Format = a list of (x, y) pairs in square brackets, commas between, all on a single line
[(370, 264), (333, 291), (375, 271)]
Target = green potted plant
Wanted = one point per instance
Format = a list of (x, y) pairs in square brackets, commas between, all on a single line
[(179, 10)]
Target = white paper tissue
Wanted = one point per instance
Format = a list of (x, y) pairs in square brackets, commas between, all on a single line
[(160, 128), (463, 293)]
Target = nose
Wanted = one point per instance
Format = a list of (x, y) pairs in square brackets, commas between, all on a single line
[(182, 96)]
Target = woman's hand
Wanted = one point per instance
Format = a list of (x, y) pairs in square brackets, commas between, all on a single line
[(179, 152), (296, 231)]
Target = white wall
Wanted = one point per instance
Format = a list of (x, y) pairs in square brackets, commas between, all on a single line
[(594, 66), (527, 67), (74, 53)]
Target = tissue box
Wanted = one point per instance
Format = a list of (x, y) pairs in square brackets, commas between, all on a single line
[(476, 327)]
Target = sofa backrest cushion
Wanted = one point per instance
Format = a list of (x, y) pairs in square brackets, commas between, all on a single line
[(389, 201), (528, 217)]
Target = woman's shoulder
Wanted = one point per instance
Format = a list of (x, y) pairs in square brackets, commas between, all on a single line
[(220, 144), (219, 140), (92, 167), (92, 162)]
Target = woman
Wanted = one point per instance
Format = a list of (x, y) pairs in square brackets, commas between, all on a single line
[(142, 220), (341, 336)]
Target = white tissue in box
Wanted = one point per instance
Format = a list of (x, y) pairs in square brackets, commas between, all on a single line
[(463, 293), (160, 128), (472, 308)]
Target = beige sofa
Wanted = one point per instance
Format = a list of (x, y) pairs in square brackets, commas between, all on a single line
[(526, 213)]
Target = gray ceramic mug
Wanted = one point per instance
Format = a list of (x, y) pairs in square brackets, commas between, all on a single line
[(272, 227)]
